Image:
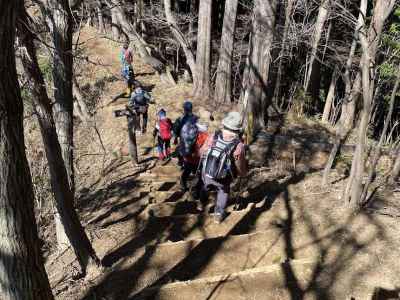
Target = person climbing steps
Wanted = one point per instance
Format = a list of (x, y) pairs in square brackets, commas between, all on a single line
[(163, 133), (140, 100), (223, 159)]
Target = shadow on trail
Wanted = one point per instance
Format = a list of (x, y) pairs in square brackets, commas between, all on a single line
[(134, 260)]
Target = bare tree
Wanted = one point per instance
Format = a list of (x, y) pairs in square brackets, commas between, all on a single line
[(352, 93), (68, 222), (22, 273), (374, 162), (369, 43), (258, 64), (100, 17), (289, 8), (179, 36), (223, 83), (115, 25), (329, 98), (203, 55), (319, 25)]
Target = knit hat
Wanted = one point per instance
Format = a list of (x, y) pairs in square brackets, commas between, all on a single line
[(233, 121), (187, 106), (162, 113)]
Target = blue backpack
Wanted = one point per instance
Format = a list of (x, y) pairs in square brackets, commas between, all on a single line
[(188, 138)]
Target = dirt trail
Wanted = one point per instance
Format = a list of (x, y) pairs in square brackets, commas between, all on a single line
[(289, 239)]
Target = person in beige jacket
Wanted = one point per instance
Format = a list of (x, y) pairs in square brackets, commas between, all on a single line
[(223, 159)]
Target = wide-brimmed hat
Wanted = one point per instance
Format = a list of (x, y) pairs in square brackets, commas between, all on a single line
[(233, 121)]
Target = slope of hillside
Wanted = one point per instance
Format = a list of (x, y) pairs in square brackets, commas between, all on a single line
[(288, 239)]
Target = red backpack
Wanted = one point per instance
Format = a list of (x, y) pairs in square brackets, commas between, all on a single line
[(165, 129)]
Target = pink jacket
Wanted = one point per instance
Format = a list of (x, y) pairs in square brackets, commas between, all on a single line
[(239, 153)]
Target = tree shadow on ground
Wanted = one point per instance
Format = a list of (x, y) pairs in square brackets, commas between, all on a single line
[(326, 270), (163, 230), (98, 205)]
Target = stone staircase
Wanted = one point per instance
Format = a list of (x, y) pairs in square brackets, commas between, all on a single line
[(179, 252)]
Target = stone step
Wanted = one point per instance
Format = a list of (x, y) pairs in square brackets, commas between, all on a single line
[(160, 176), (277, 281), (167, 196), (201, 258), (184, 205)]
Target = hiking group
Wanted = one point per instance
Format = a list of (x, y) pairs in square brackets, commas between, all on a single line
[(213, 160)]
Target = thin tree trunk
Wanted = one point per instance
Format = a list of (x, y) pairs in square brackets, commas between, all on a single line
[(319, 25), (377, 153), (369, 45), (396, 168), (203, 54), (80, 100), (100, 18), (22, 272), (288, 14), (115, 25), (223, 83), (352, 94), (68, 221), (329, 98), (190, 59), (258, 64), (59, 20)]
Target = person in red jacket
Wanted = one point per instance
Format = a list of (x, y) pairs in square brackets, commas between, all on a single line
[(163, 132)]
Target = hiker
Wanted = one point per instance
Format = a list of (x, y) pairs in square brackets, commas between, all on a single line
[(140, 101), (127, 72), (187, 116), (223, 159), (163, 133), (125, 55), (193, 136)]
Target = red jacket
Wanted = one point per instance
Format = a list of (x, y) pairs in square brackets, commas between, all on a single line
[(194, 157)]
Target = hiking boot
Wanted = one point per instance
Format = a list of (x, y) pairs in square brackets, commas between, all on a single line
[(183, 186), (199, 206), (218, 218)]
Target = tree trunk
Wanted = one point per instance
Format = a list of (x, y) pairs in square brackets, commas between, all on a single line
[(329, 98), (22, 273), (59, 20), (81, 102), (369, 45), (190, 59), (377, 154), (352, 94), (288, 14), (258, 64), (223, 83), (319, 26), (67, 219), (396, 168), (100, 18), (114, 25), (60, 23), (203, 54)]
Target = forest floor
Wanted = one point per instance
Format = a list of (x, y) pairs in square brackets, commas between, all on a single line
[(290, 238)]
